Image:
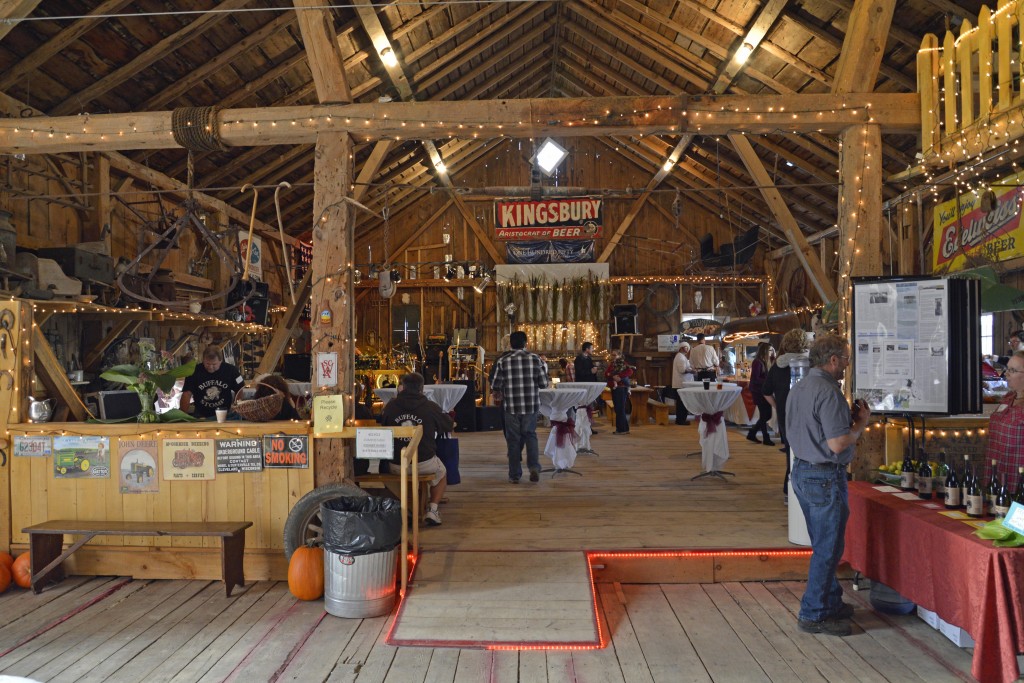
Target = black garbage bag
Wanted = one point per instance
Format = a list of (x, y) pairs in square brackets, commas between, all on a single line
[(361, 526)]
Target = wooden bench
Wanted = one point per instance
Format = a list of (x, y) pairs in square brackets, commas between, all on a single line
[(47, 539), (660, 411), (393, 483)]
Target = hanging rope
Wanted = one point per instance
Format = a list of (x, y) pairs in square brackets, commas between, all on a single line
[(196, 129)]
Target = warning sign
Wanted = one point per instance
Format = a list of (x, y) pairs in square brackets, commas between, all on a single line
[(286, 450)]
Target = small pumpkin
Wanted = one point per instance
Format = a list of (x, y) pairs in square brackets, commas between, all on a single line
[(306, 573), (5, 578), (6, 559), (21, 570)]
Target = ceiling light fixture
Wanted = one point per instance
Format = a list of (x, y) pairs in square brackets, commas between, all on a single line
[(388, 56), (549, 156), (743, 53)]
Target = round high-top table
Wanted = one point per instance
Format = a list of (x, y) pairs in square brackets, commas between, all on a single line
[(444, 395), (714, 444), (583, 421), (554, 404)]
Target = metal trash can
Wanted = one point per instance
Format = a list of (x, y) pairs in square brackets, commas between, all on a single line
[(361, 538)]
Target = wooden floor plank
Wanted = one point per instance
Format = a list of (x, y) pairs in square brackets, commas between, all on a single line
[(814, 647), (92, 633), (669, 654), (841, 648), (409, 665), (375, 666), (52, 610), (533, 666), (321, 652), (757, 641), (475, 665), (719, 647), (625, 641), (505, 667), (122, 664), (443, 662), (15, 603), (560, 667), (194, 648), (219, 649)]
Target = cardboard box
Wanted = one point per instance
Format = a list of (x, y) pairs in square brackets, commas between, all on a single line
[(929, 617), (960, 637)]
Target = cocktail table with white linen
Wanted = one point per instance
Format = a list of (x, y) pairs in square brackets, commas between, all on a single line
[(561, 447), (711, 405), (444, 395), (583, 421)]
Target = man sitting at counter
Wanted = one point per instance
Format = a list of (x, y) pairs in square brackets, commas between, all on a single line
[(408, 409), (213, 385)]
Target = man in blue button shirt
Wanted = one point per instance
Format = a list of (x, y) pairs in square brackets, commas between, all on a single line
[(819, 429)]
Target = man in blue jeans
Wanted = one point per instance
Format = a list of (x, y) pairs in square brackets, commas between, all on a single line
[(519, 376), (819, 429)]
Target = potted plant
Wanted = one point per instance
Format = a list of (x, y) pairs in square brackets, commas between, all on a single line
[(145, 380)]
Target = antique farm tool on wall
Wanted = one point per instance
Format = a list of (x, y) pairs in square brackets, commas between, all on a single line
[(168, 232), (286, 260)]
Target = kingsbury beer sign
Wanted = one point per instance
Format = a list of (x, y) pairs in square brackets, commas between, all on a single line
[(565, 218), (997, 235)]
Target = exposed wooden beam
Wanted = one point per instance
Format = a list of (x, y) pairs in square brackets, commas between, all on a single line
[(12, 12), (804, 253), (863, 46), (579, 117), (60, 41), (321, 42), (176, 41), (370, 168)]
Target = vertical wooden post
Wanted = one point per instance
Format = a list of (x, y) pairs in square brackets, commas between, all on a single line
[(332, 286), (11, 408)]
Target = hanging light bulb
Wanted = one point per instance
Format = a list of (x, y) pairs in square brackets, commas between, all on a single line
[(482, 285)]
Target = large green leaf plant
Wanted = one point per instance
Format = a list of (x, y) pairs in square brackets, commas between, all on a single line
[(145, 382)]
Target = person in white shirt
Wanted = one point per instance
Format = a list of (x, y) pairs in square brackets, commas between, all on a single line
[(682, 372), (704, 360)]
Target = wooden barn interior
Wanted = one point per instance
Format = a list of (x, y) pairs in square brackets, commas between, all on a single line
[(295, 179)]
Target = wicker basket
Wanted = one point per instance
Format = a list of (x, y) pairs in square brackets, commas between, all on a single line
[(262, 409)]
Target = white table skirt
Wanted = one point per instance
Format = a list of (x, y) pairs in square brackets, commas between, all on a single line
[(444, 395), (584, 427), (554, 404), (714, 446)]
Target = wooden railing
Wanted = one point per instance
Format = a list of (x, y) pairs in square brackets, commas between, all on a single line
[(961, 88)]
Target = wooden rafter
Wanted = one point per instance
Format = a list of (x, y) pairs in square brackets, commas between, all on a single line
[(12, 12)]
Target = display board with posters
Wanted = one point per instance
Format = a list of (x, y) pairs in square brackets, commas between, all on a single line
[(972, 225), (915, 347)]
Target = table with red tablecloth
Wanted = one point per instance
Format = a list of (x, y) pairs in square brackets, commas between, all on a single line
[(938, 563)]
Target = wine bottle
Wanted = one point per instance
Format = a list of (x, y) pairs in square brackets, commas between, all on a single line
[(907, 473), (924, 478), (992, 488), (941, 471), (1002, 504), (975, 499), (1018, 496), (965, 480), (952, 489)]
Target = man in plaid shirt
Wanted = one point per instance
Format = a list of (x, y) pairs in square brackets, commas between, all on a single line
[(519, 377)]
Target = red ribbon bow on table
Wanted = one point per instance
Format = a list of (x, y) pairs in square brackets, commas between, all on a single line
[(712, 420), (562, 431)]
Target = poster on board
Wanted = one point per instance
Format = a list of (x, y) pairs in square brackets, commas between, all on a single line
[(910, 339)]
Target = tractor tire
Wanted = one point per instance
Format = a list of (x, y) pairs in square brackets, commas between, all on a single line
[(84, 465), (63, 470), (303, 523)]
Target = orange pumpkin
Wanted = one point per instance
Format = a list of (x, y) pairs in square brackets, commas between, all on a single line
[(21, 571), (6, 560), (5, 578), (306, 573)]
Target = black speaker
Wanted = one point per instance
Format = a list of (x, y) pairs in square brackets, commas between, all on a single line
[(465, 409), (257, 303), (624, 316), (488, 418)]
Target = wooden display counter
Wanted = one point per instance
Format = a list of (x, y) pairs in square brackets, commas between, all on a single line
[(37, 495)]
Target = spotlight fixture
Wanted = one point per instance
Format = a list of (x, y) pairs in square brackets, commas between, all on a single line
[(387, 55), (449, 273), (482, 285), (549, 156), (357, 276), (743, 53), (396, 276)]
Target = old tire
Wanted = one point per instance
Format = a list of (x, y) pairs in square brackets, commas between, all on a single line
[(303, 523)]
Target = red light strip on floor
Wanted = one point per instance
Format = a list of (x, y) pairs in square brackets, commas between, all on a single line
[(666, 554)]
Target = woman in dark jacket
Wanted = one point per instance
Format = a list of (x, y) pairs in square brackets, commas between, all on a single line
[(618, 374), (776, 385), (758, 373)]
